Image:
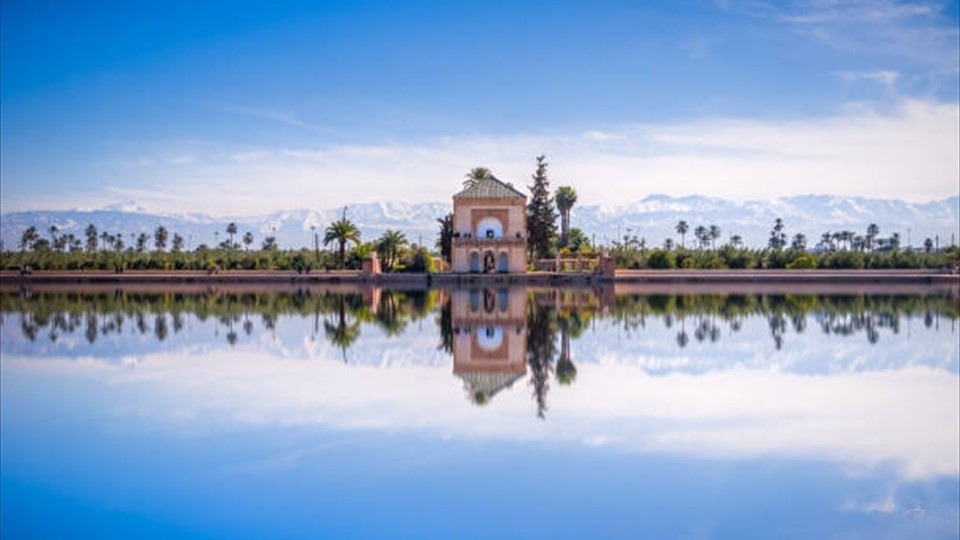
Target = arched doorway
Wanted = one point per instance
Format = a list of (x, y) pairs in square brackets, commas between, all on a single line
[(504, 263), (488, 262), (474, 262)]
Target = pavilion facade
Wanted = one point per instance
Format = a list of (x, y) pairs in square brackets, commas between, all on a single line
[(489, 229)]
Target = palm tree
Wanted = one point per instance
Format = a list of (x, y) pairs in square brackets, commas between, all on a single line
[(177, 243), (736, 241), (565, 197), (91, 234), (388, 246), (848, 238), (826, 241), (714, 234), (29, 238), (342, 231), (799, 242), (54, 241), (475, 175), (872, 232), (160, 238), (247, 240), (703, 235), (232, 230), (682, 228), (778, 238), (142, 242)]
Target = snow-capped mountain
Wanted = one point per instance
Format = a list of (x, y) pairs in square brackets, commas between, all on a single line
[(653, 219)]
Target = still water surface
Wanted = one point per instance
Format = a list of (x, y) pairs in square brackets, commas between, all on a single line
[(514, 413)]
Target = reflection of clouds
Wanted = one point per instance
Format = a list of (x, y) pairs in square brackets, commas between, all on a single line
[(904, 418)]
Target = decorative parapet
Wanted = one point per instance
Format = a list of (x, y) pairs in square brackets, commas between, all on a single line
[(479, 241)]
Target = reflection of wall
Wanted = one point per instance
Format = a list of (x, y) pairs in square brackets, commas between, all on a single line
[(484, 306), (489, 339)]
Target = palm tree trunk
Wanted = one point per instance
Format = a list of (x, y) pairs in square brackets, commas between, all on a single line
[(565, 226)]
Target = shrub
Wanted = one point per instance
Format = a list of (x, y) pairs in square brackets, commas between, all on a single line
[(716, 263), (688, 263), (662, 259), (844, 260), (802, 262)]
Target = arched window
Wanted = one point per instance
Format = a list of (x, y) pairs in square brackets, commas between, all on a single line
[(504, 264), (489, 227), (490, 338), (474, 262)]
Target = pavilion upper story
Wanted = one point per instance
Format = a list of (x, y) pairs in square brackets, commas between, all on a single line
[(489, 229)]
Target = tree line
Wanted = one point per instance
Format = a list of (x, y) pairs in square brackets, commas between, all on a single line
[(835, 249), (161, 250)]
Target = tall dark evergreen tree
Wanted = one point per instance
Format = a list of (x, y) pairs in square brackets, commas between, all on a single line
[(541, 215), (445, 237)]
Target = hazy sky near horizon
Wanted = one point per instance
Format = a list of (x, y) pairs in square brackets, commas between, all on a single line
[(233, 108)]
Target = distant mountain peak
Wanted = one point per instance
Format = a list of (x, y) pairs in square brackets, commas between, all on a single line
[(653, 218)]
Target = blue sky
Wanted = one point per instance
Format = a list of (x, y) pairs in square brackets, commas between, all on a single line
[(234, 108)]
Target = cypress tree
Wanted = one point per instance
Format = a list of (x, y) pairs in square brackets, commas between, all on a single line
[(541, 216)]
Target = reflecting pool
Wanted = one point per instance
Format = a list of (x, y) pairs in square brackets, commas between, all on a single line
[(491, 412)]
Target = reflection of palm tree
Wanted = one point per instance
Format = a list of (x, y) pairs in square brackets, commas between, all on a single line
[(390, 316), (342, 335), (445, 322), (566, 370), (682, 337), (160, 328)]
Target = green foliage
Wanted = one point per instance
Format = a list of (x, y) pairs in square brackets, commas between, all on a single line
[(843, 260), (662, 259), (418, 259), (738, 258), (688, 262), (715, 263), (804, 261), (389, 246), (474, 176)]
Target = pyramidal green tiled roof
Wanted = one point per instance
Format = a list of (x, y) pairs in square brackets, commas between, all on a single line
[(483, 385), (489, 188)]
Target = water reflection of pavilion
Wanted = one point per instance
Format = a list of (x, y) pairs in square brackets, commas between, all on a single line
[(489, 340)]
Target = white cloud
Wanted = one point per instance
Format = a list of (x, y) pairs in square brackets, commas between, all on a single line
[(918, 31), (855, 419), (912, 153), (887, 78)]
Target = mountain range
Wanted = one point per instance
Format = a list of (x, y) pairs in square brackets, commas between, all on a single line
[(653, 219)]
